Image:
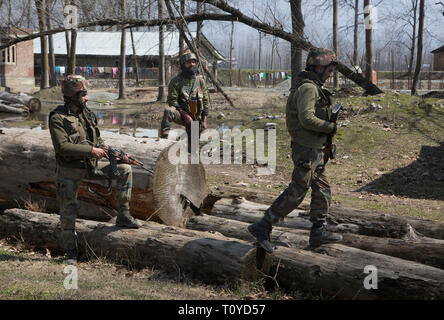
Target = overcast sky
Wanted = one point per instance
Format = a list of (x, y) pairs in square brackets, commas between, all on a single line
[(318, 20)]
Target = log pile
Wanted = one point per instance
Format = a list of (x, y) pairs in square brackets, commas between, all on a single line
[(215, 246), (27, 168), (19, 103)]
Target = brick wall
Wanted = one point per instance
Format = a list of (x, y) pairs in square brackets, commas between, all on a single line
[(17, 66), (438, 61)]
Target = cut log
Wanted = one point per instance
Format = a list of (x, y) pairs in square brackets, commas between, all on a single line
[(12, 109), (32, 103), (340, 219), (27, 168), (414, 248), (214, 258), (384, 225)]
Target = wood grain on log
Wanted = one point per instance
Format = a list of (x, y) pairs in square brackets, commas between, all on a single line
[(12, 109), (340, 219), (214, 258)]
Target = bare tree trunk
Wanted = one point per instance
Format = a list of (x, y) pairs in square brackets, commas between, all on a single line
[(298, 25), (335, 41), (355, 35), (368, 44), (68, 43), (199, 24), (122, 64), (52, 71), (231, 53), (181, 42), (44, 82), (72, 54), (412, 48), (260, 51), (136, 61), (419, 51), (161, 78)]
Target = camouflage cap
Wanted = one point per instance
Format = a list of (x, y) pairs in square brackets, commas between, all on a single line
[(320, 57), (74, 84), (187, 57)]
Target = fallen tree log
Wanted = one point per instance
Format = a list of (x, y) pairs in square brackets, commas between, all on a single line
[(217, 259), (33, 104), (12, 109), (378, 224), (340, 219), (414, 248), (27, 168)]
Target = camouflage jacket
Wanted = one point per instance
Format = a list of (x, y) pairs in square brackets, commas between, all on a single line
[(308, 111), (73, 136), (182, 89)]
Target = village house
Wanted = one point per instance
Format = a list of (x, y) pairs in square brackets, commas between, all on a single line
[(98, 53), (438, 59), (16, 62)]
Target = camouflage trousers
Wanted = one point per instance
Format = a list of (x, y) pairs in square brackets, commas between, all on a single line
[(67, 185), (170, 114), (308, 173)]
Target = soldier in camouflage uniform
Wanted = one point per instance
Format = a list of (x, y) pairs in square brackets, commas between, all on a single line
[(308, 112), (184, 90), (74, 134)]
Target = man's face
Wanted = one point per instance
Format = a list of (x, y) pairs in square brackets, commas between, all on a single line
[(190, 64), (83, 97), (328, 72)]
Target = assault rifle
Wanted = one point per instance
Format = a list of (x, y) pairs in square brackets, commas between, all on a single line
[(330, 147), (114, 154)]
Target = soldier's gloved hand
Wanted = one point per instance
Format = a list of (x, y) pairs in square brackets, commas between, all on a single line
[(186, 118), (204, 123), (98, 153)]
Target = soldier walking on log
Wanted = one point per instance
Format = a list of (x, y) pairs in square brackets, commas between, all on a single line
[(74, 134), (308, 112)]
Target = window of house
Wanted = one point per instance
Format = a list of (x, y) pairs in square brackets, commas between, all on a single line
[(8, 55)]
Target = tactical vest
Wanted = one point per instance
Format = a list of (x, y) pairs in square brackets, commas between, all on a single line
[(191, 97), (298, 133), (322, 106), (79, 131)]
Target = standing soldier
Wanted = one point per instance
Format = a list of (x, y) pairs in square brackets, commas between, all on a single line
[(187, 97), (308, 112), (74, 134)]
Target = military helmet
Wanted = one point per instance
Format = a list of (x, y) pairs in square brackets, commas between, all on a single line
[(320, 57), (74, 84), (187, 57)]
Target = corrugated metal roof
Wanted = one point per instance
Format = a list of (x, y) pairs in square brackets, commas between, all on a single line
[(440, 49), (108, 43)]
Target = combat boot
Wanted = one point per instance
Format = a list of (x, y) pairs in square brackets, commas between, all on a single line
[(261, 230), (71, 257), (320, 235), (125, 220)]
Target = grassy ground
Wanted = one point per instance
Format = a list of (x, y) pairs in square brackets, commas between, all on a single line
[(388, 160), (34, 275)]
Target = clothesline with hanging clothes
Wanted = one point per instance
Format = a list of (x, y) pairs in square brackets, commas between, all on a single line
[(147, 73), (268, 75)]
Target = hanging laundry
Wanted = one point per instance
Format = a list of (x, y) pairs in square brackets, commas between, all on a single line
[(101, 69), (114, 71)]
